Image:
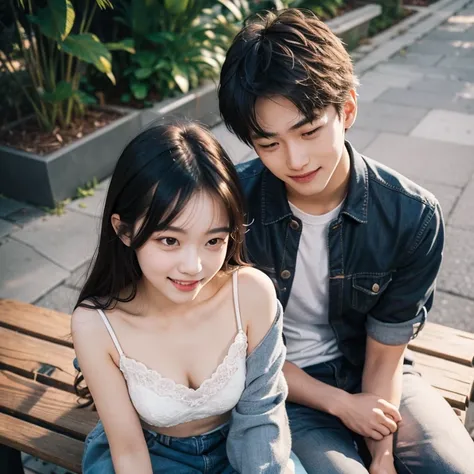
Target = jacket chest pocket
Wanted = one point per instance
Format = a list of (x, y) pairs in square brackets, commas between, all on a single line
[(367, 289)]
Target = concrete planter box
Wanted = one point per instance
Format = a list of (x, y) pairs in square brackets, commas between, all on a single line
[(354, 25), (46, 180), (200, 104)]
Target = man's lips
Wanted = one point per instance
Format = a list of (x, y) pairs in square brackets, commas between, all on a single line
[(303, 178)]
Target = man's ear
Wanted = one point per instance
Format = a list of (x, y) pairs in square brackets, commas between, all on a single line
[(350, 109), (118, 225)]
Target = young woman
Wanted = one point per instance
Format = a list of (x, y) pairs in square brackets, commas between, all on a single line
[(178, 341)]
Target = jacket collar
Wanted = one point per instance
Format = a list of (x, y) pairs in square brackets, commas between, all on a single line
[(275, 205)]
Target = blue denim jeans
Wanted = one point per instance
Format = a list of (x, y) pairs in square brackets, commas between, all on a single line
[(194, 455), (197, 454), (430, 439)]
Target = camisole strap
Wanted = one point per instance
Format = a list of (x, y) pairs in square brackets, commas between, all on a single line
[(111, 331), (235, 289)]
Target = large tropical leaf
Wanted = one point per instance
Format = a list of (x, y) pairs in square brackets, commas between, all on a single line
[(56, 20), (127, 44), (62, 92), (88, 48), (176, 7)]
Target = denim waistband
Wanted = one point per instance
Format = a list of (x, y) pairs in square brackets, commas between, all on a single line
[(195, 444)]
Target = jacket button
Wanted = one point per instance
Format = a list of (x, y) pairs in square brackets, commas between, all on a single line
[(285, 274), (294, 224), (375, 288)]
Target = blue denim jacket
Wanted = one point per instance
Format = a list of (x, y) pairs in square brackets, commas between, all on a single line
[(385, 250)]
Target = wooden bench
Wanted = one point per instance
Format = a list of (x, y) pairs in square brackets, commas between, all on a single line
[(38, 407)]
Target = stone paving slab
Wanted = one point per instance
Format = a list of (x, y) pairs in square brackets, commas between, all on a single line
[(7, 206), (6, 228), (457, 62), (441, 100), (464, 89), (62, 298), (232, 145), (360, 138), (391, 78), (389, 117), (429, 72), (452, 311), (463, 215), (417, 59), (430, 160), (26, 215), (68, 240), (455, 47), (369, 91), (447, 126), (26, 275), (91, 205), (446, 195), (457, 270), (77, 278)]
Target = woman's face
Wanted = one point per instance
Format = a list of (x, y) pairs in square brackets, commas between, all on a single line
[(179, 261)]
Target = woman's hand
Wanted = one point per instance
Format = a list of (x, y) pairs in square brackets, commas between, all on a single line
[(368, 415)]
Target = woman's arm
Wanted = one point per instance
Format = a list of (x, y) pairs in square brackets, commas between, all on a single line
[(92, 344), (259, 437)]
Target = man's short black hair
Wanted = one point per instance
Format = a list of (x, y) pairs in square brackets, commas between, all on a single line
[(290, 53)]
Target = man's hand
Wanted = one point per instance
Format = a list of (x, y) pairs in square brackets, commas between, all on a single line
[(368, 415), (382, 456)]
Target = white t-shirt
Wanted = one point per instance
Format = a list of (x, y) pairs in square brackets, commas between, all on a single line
[(309, 337)]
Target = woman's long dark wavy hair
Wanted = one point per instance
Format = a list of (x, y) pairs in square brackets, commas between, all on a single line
[(156, 175)]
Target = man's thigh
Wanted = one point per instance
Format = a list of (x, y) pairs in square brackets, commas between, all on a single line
[(322, 443), (430, 438)]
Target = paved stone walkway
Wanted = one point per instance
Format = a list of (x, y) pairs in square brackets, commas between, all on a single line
[(416, 114)]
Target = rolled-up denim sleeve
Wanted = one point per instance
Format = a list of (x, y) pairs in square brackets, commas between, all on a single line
[(259, 438), (402, 309)]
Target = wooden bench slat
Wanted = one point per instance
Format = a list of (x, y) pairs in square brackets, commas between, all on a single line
[(47, 406), (41, 442), (445, 343), (25, 355), (39, 322), (453, 380)]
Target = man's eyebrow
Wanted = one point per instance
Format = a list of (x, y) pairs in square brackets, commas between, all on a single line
[(304, 121), (301, 123)]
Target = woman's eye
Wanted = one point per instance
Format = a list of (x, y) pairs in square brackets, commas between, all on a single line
[(169, 241), (215, 242)]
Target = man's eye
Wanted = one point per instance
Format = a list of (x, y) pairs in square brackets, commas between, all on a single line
[(169, 241), (271, 145), (311, 132)]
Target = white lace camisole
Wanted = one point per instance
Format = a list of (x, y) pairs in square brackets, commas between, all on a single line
[(161, 402)]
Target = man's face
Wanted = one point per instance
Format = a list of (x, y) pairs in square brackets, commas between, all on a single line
[(304, 154)]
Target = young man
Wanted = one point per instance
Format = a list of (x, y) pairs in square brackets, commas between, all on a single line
[(353, 248)]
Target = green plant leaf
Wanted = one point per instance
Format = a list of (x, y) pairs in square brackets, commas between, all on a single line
[(88, 48), (160, 37), (62, 92), (176, 7), (139, 90), (127, 44), (56, 20), (232, 8), (181, 78), (85, 98), (146, 59), (125, 98), (143, 73)]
